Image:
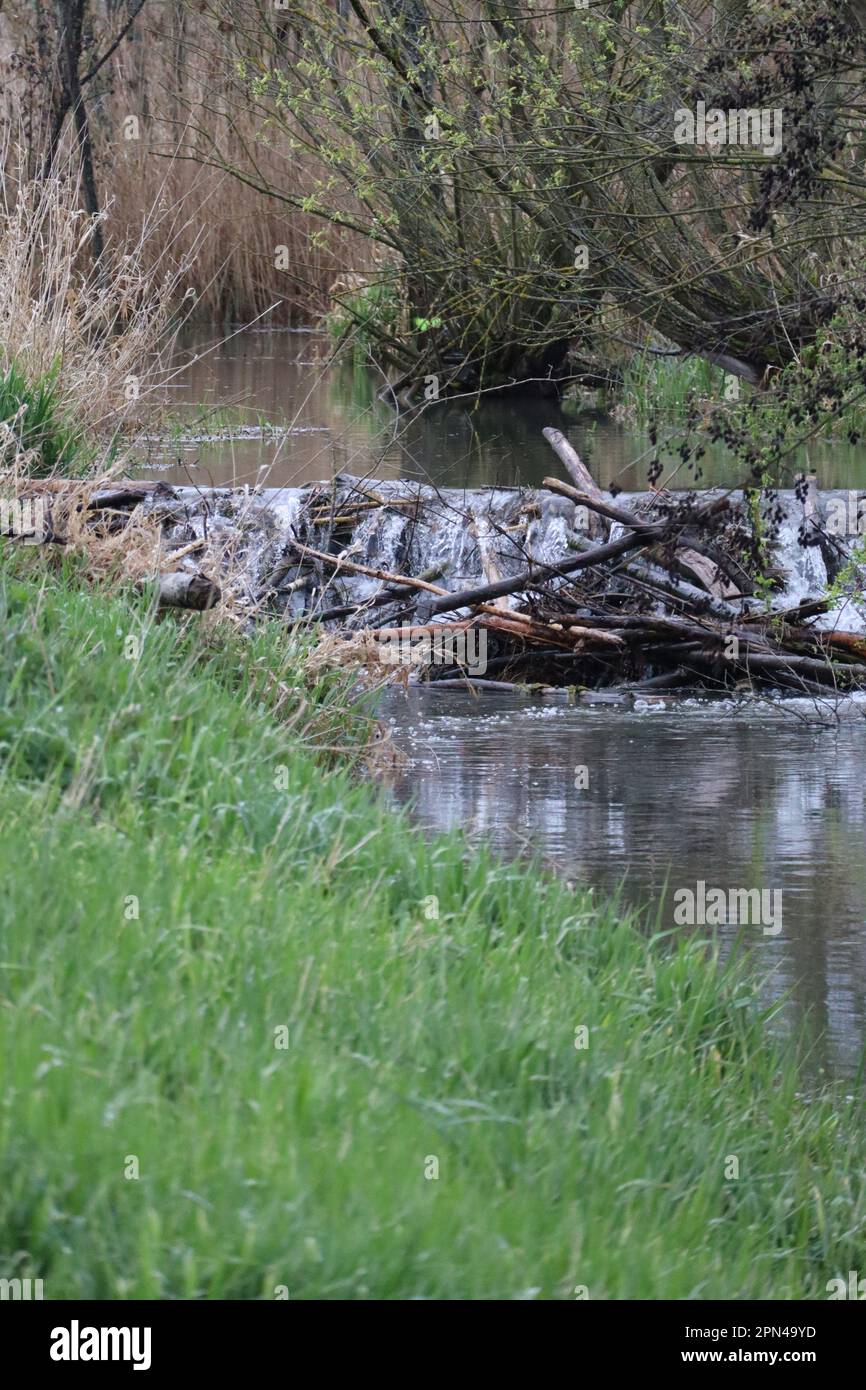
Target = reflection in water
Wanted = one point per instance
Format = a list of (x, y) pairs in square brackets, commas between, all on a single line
[(737, 798), (339, 425)]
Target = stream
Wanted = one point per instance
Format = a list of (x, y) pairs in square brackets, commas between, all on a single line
[(672, 793), (645, 797)]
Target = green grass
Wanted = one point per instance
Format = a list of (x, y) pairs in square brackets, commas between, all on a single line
[(33, 414), (664, 388), (307, 906)]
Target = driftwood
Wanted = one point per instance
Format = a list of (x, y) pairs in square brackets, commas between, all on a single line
[(188, 589), (389, 594), (654, 578), (343, 562), (536, 574), (714, 570)]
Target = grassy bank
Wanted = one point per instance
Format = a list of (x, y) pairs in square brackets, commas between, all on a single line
[(247, 1011)]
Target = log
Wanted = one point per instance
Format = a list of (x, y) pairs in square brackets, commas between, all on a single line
[(340, 562), (791, 680), (653, 577), (393, 594), (483, 532), (410, 630), (128, 494), (579, 473), (122, 494), (593, 634), (666, 680), (701, 560), (707, 570), (596, 503), (181, 589), (531, 577), (809, 665), (469, 683), (569, 456), (835, 641), (809, 608)]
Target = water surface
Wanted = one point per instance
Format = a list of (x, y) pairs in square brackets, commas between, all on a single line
[(739, 797), (336, 423)]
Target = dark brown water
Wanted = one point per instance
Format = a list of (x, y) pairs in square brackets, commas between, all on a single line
[(736, 797)]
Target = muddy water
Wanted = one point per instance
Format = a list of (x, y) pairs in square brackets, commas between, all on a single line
[(737, 798), (334, 422), (656, 799)]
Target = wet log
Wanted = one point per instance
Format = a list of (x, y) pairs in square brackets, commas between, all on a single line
[(128, 493), (469, 683), (834, 643), (580, 475), (183, 590), (809, 608), (569, 456), (696, 564), (703, 560), (536, 574), (666, 680), (807, 665), (786, 678), (392, 594), (341, 562), (652, 577), (603, 636), (484, 533), (596, 502)]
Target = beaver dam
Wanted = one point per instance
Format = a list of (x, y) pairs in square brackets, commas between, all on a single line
[(560, 585)]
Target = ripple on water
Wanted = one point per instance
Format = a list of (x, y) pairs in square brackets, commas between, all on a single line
[(736, 792)]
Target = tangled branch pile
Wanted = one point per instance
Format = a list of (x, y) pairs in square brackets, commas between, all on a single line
[(569, 586)]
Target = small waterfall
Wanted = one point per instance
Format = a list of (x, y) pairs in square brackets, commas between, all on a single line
[(476, 536)]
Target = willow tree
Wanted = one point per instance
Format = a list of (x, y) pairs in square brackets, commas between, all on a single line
[(520, 173)]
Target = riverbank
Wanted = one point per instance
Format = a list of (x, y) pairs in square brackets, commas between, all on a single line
[(265, 1040)]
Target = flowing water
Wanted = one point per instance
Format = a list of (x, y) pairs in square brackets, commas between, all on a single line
[(651, 798)]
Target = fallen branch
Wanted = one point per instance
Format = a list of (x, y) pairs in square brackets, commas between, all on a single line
[(580, 474), (531, 577), (183, 590)]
